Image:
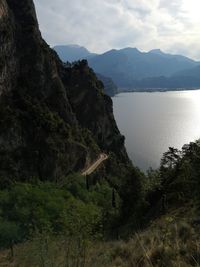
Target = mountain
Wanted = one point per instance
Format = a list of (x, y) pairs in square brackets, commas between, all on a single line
[(163, 83), (55, 122), (127, 65), (72, 52), (109, 86), (187, 79), (157, 51), (192, 72), (131, 69), (54, 119)]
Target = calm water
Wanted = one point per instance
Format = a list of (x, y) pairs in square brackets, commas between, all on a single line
[(151, 122)]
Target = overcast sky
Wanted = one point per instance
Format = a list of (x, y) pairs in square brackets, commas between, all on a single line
[(100, 25)]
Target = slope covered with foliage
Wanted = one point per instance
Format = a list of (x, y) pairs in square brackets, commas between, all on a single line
[(54, 118), (79, 225)]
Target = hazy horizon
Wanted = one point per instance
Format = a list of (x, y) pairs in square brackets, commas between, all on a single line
[(142, 51), (100, 26)]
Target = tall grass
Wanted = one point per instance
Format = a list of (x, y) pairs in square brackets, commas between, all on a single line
[(171, 241)]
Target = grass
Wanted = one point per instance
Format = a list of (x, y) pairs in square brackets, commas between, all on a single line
[(170, 241)]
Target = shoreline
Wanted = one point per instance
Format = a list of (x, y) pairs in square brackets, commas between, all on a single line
[(154, 90)]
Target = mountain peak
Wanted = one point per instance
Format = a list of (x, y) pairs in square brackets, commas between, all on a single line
[(75, 46), (71, 47), (157, 51), (72, 52), (130, 50)]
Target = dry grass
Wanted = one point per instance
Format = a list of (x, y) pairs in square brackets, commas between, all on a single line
[(171, 241)]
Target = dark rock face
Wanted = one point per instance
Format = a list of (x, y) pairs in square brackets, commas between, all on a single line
[(94, 109), (53, 119), (72, 53), (7, 50), (109, 86)]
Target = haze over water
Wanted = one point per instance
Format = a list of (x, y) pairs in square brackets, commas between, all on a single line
[(151, 122)]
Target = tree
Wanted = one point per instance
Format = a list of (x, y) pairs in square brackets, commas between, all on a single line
[(169, 165), (170, 158), (9, 234), (113, 199)]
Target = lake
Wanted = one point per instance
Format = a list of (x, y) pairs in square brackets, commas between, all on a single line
[(151, 122)]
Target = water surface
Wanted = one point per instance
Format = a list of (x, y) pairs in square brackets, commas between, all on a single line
[(151, 122)]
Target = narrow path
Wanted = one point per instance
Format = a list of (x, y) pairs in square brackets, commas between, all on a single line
[(95, 165)]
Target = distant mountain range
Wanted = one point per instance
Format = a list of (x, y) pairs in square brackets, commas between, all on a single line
[(131, 69), (72, 52)]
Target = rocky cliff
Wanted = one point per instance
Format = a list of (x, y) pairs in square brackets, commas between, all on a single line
[(53, 118)]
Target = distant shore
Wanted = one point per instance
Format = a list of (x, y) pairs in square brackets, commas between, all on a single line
[(152, 90)]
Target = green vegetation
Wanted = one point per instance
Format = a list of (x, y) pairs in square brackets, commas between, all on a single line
[(73, 224), (71, 211), (177, 180), (171, 240)]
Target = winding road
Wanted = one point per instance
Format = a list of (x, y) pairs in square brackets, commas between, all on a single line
[(95, 165)]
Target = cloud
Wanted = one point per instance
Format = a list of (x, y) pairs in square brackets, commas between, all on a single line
[(101, 25)]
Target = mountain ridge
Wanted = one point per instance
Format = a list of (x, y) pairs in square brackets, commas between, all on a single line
[(129, 68), (72, 52), (45, 114), (126, 65)]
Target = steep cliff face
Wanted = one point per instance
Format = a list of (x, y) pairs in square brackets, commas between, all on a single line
[(93, 109), (7, 50), (53, 118)]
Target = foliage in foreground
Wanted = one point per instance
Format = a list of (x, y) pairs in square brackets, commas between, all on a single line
[(172, 240), (71, 210), (66, 225), (177, 181)]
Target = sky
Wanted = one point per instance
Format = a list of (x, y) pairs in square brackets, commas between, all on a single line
[(101, 25)]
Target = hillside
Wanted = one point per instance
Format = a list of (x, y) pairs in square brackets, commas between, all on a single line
[(186, 79), (131, 69), (170, 212), (55, 122), (162, 83), (192, 72), (54, 119), (71, 53), (109, 86)]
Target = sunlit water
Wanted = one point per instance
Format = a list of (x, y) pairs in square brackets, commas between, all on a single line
[(151, 122)]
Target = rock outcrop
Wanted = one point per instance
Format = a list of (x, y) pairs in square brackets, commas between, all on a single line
[(53, 118)]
